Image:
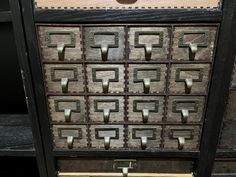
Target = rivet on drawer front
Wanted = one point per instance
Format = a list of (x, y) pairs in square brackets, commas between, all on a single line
[(125, 171), (193, 48), (188, 85), (64, 84), (181, 142), (106, 115), (146, 85), (61, 51), (145, 115), (70, 142), (107, 141), (184, 115), (144, 140), (67, 113), (105, 85)]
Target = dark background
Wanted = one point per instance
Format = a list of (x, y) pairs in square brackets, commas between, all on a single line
[(12, 99)]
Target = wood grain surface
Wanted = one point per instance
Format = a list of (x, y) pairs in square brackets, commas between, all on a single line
[(139, 4), (203, 53), (145, 102), (197, 116), (198, 87), (51, 53), (55, 86), (67, 102)]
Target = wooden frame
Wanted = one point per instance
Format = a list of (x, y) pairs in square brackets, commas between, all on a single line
[(218, 93)]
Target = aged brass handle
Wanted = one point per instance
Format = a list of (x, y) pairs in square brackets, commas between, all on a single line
[(181, 143), (107, 141), (193, 48), (104, 52), (143, 142), (106, 115), (145, 115), (67, 113), (146, 85), (126, 1), (148, 52), (184, 115), (64, 84), (125, 171), (70, 142), (105, 85), (61, 51), (188, 85)]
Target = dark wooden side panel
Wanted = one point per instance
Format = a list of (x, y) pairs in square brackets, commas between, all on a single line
[(219, 90)]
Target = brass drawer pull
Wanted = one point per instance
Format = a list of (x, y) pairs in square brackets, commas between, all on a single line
[(144, 140), (64, 84), (181, 143), (146, 85), (188, 85), (70, 142), (104, 47), (145, 115), (105, 85), (67, 113), (184, 115), (125, 171), (148, 48), (193, 47), (61, 46), (107, 141), (106, 115), (107, 134)]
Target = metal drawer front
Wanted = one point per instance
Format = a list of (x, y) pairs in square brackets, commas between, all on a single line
[(60, 43)]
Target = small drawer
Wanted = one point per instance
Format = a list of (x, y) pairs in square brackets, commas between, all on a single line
[(107, 136), (194, 43), (105, 78), (145, 109), (60, 43), (106, 109), (104, 43), (189, 78), (230, 112), (149, 43), (148, 78), (67, 108), (70, 136), (144, 136), (181, 137), (64, 78), (185, 109)]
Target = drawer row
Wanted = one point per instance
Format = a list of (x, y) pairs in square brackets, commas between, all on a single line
[(110, 78), (179, 137), (139, 109), (104, 43)]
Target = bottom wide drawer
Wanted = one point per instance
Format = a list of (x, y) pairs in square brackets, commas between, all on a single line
[(130, 174)]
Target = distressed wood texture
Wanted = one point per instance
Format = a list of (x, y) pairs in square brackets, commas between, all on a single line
[(154, 104), (114, 74), (230, 112), (149, 36), (186, 131), (51, 37), (97, 37), (61, 132), (152, 132), (107, 131), (156, 72), (195, 106), (225, 166), (51, 4), (147, 165), (58, 104), (204, 37), (186, 71), (97, 105), (73, 72)]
